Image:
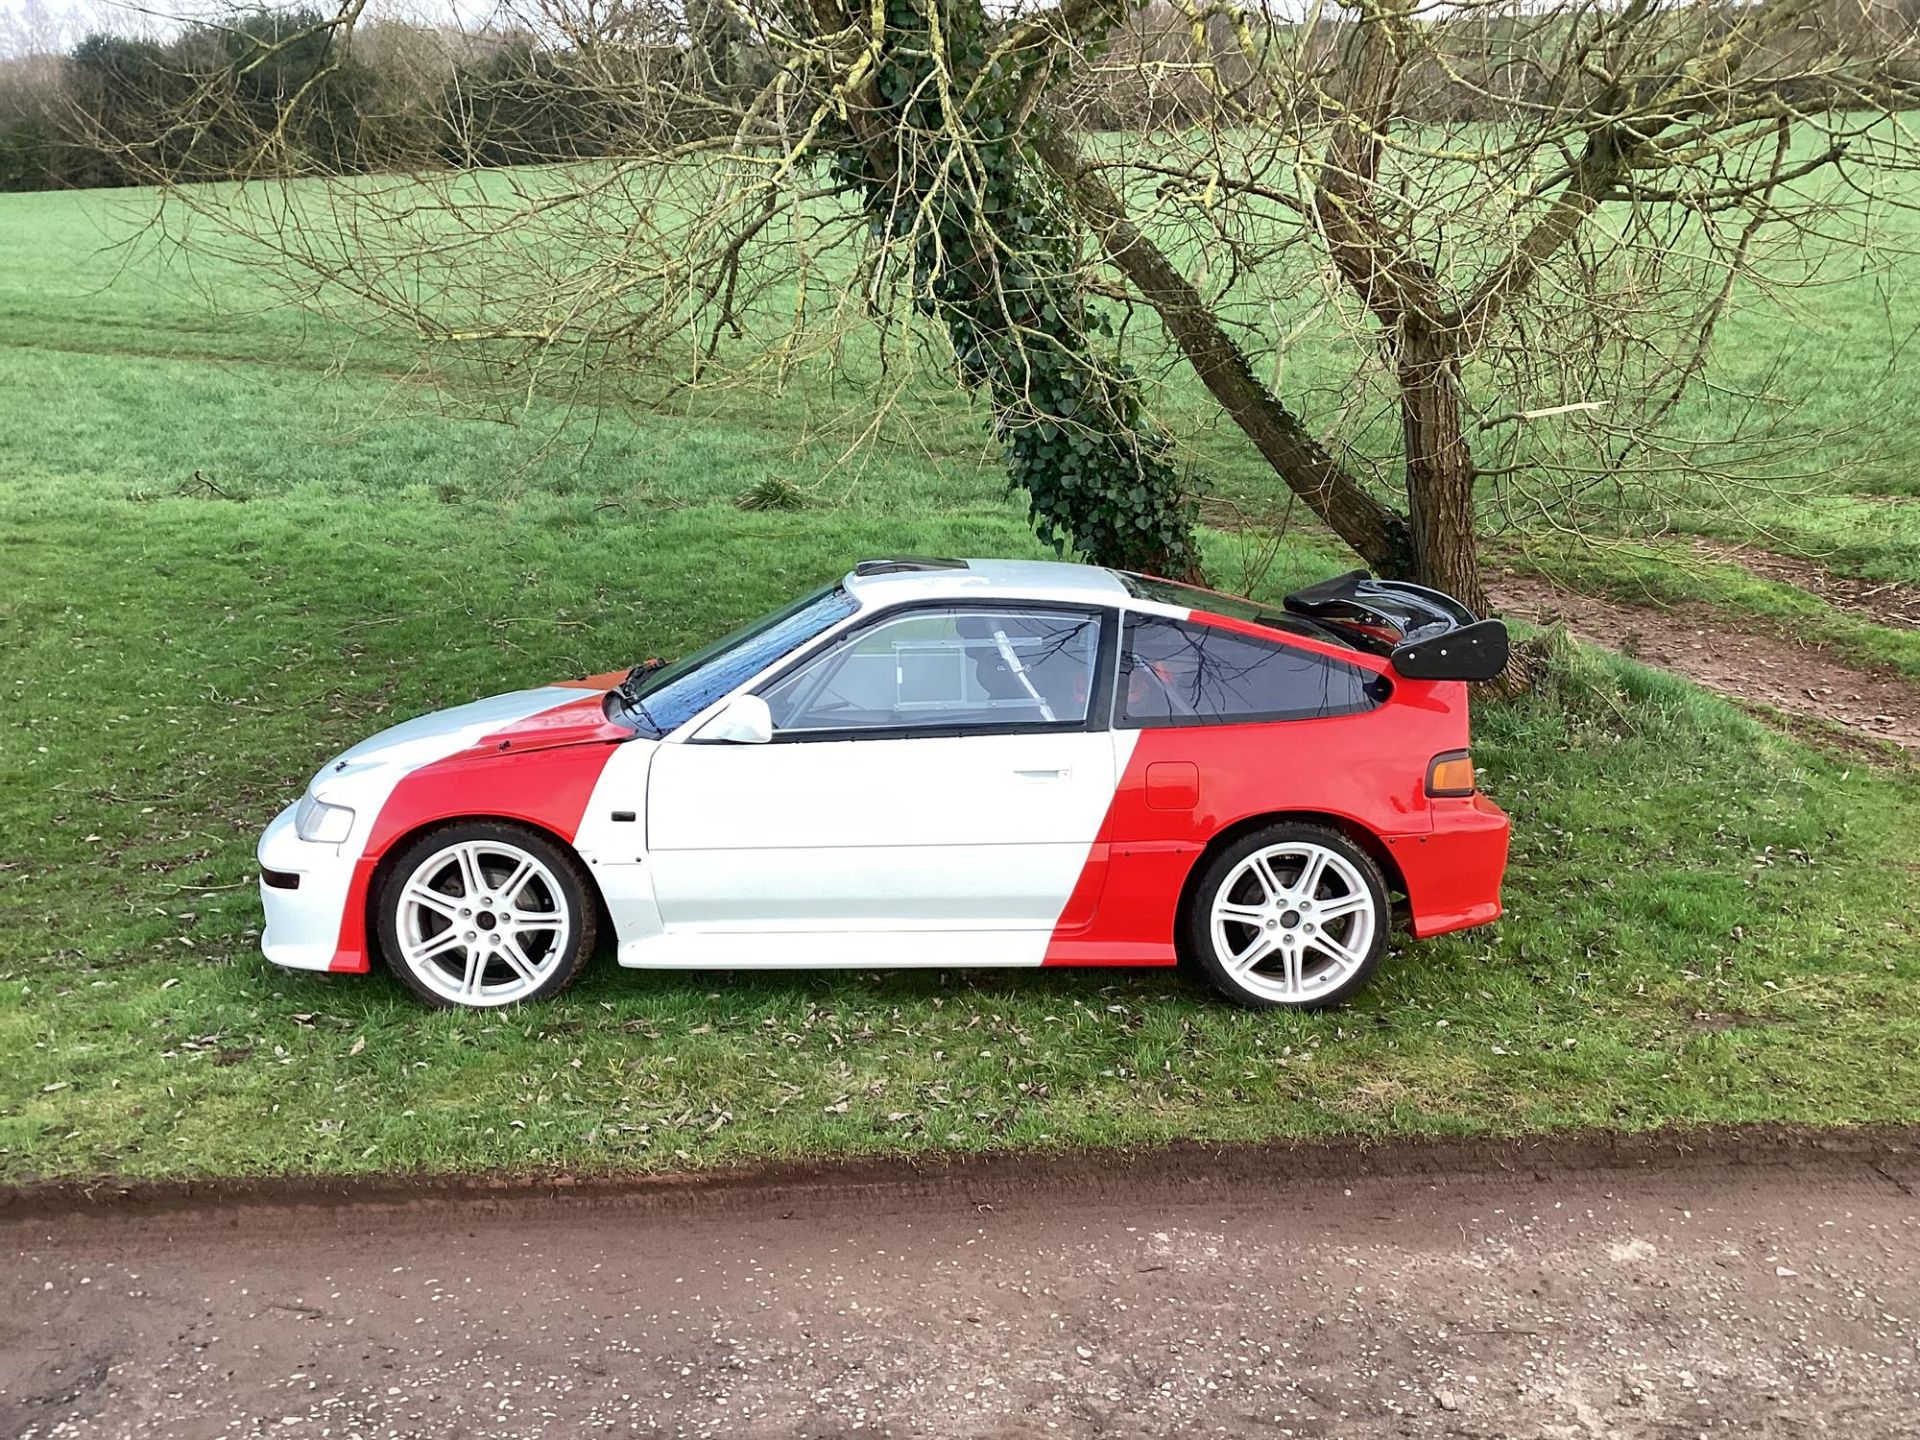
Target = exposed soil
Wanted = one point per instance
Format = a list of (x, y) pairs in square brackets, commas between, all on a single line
[(1734, 1289), (1745, 661), (1894, 603)]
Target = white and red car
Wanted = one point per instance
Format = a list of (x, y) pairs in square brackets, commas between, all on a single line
[(929, 763)]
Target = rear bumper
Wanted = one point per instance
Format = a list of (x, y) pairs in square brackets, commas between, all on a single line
[(1453, 873)]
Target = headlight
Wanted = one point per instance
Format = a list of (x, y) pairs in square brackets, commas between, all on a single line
[(316, 820)]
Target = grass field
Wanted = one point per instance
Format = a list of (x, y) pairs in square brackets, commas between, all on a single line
[(232, 541)]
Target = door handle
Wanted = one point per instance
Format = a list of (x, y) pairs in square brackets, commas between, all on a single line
[(1058, 774)]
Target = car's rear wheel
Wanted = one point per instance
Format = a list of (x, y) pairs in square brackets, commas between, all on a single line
[(485, 914), (1291, 915)]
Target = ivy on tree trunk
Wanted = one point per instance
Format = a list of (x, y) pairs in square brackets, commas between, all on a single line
[(940, 167)]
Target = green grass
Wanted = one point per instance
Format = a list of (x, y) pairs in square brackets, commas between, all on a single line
[(1710, 922)]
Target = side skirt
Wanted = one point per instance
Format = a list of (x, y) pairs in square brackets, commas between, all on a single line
[(836, 950)]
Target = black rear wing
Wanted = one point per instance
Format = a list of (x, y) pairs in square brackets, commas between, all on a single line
[(1427, 635)]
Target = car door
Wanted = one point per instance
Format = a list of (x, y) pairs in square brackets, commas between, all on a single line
[(942, 767)]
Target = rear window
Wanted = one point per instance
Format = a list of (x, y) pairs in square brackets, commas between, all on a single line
[(1176, 672), (1236, 607)]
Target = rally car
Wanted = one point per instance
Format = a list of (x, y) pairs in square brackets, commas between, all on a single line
[(929, 763)]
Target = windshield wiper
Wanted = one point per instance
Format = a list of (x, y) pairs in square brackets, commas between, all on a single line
[(630, 689)]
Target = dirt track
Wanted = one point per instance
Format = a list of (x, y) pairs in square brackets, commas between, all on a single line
[(1673, 1297), (1746, 661)]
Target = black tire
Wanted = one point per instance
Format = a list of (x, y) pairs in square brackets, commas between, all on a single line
[(513, 956), (1266, 982)]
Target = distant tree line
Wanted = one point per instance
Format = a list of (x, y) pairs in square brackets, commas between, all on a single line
[(119, 110), (393, 95)]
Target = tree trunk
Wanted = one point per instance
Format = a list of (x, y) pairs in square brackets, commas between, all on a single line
[(1374, 532), (1440, 471)]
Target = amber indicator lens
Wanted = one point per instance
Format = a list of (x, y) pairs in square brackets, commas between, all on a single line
[(1451, 774)]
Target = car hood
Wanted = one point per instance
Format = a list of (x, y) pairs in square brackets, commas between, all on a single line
[(521, 720)]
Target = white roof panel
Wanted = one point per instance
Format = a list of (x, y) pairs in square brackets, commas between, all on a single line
[(992, 580)]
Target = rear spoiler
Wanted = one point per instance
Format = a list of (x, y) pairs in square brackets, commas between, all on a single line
[(1427, 635)]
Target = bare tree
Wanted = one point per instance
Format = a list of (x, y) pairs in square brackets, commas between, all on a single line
[(1530, 220), (1518, 222)]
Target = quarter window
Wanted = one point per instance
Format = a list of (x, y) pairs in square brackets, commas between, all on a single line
[(947, 669), (1174, 672)]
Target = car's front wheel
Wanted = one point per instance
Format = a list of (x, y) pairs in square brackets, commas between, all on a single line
[(483, 914), (1292, 915)]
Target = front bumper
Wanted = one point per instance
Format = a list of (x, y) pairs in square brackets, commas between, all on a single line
[(1453, 873), (304, 929)]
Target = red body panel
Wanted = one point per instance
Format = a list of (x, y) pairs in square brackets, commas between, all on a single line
[(1367, 770), (1453, 872), (540, 770), (599, 684)]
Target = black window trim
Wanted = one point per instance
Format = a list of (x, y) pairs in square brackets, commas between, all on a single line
[(1106, 664), (1277, 640), (1151, 590)]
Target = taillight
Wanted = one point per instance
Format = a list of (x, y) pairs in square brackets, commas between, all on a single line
[(1451, 774)]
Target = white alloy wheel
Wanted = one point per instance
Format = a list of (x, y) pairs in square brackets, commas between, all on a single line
[(482, 922), (1294, 923)]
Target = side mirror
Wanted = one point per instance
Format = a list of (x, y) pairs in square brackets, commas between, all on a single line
[(746, 720)]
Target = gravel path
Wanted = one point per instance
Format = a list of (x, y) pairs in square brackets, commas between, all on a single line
[(1521, 1297)]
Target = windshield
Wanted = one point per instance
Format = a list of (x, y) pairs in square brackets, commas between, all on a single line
[(674, 694)]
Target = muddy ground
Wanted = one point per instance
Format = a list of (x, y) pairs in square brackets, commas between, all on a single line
[(1894, 603), (1746, 661), (1739, 1290)]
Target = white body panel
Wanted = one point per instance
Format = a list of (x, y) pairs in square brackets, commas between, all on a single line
[(993, 581), (937, 833), (616, 850), (303, 926), (844, 949)]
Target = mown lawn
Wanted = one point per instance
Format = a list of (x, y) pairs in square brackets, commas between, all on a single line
[(231, 543)]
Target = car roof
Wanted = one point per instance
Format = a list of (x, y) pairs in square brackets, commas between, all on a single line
[(903, 580), (896, 581)]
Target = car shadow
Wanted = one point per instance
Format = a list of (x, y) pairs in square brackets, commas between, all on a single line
[(606, 987)]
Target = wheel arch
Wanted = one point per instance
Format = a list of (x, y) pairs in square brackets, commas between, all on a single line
[(400, 843), (1376, 849)]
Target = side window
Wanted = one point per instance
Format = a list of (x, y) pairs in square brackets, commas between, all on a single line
[(942, 669), (1173, 672)]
